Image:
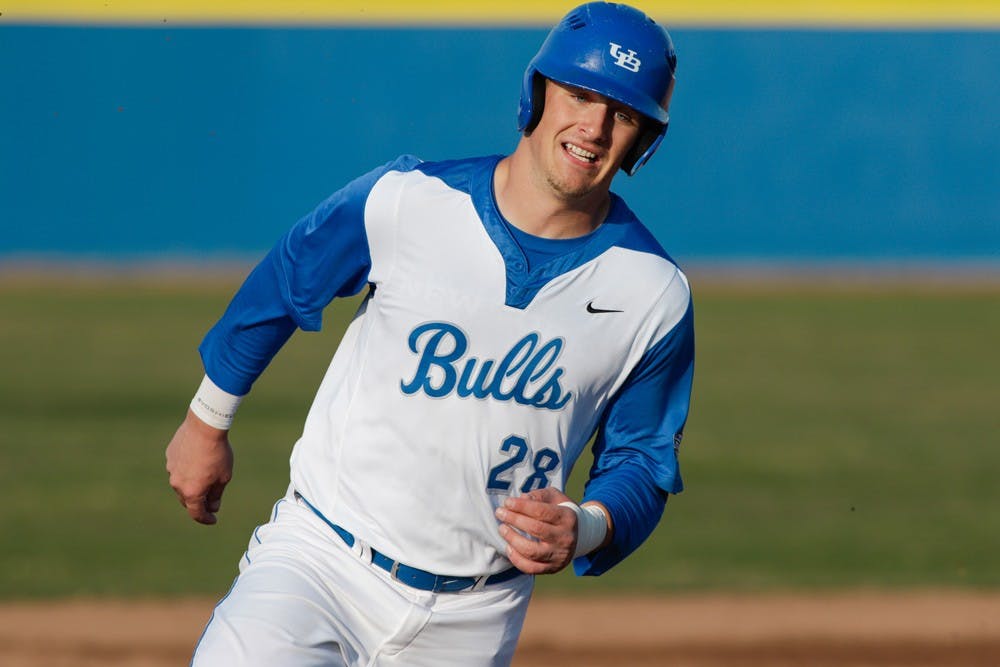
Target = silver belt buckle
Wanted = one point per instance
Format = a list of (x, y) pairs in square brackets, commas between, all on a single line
[(363, 551)]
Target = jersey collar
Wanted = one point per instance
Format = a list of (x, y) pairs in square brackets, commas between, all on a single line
[(523, 284)]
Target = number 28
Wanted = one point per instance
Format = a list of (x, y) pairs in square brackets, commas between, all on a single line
[(516, 448)]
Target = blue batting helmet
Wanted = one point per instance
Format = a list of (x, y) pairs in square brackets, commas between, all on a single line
[(614, 50)]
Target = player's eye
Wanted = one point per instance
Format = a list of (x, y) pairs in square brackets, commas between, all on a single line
[(624, 117)]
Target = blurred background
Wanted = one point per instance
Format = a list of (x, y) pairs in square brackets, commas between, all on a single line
[(154, 135), (830, 181)]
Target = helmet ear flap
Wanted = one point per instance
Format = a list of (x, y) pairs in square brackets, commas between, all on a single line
[(537, 102), (644, 147)]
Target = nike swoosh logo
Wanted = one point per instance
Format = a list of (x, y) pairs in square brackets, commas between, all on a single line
[(591, 309)]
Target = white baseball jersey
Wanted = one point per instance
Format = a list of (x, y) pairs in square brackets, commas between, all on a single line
[(466, 375)]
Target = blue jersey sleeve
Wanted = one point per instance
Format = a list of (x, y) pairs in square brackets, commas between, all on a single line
[(635, 454), (324, 255)]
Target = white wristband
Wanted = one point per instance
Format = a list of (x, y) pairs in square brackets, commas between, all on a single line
[(214, 406), (591, 527)]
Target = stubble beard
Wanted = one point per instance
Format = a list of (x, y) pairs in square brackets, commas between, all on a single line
[(566, 190)]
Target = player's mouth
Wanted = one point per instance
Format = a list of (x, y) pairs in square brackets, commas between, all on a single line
[(579, 154)]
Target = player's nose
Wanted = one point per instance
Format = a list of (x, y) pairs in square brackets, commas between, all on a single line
[(595, 122)]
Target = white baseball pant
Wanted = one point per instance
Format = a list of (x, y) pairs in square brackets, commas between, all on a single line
[(303, 598)]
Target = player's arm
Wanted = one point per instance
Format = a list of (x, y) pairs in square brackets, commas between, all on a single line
[(635, 466), (323, 256), (234, 352), (635, 454)]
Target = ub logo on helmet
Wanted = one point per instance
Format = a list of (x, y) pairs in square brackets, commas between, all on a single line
[(625, 60)]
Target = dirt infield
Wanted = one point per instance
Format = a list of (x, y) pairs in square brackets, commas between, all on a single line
[(848, 630)]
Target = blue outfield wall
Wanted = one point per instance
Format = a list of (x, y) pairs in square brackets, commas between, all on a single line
[(796, 145)]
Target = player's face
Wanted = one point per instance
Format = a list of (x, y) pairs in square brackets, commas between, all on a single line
[(581, 140)]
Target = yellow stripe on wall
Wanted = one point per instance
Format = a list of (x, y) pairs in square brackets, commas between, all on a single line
[(898, 13)]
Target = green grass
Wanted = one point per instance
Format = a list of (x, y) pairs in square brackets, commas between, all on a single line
[(837, 438)]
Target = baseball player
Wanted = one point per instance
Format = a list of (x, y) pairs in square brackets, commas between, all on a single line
[(514, 308)]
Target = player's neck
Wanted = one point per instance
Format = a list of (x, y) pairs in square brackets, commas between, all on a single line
[(539, 211)]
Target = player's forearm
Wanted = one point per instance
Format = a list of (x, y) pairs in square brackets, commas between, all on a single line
[(634, 504), (251, 331)]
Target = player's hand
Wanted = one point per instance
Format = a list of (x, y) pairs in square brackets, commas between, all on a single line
[(553, 527), (200, 463)]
